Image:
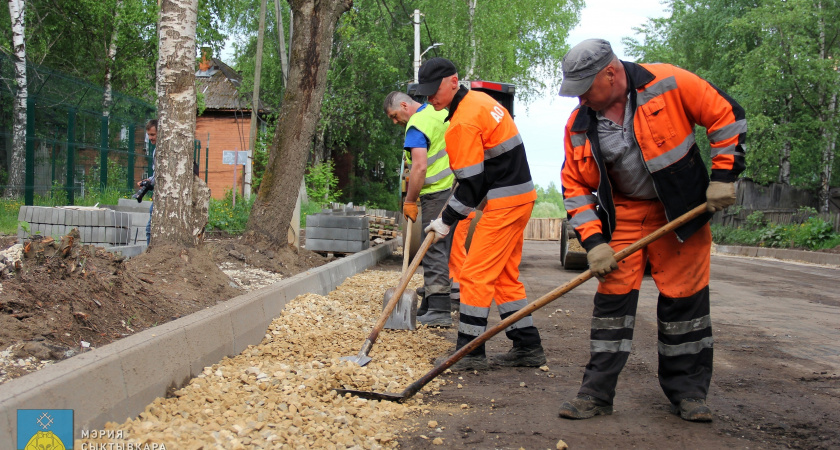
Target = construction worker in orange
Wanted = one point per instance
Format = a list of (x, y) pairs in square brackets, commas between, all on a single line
[(631, 166), (487, 156)]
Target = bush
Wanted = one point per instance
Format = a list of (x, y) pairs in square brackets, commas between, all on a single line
[(225, 217), (813, 234)]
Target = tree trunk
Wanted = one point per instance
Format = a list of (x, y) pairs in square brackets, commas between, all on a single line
[(828, 160), (314, 24), (784, 158), (108, 95), (281, 48), (180, 212), (17, 169), (474, 56)]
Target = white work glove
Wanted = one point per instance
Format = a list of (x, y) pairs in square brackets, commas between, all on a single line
[(440, 229), (719, 195)]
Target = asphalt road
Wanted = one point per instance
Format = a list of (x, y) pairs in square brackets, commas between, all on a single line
[(776, 381)]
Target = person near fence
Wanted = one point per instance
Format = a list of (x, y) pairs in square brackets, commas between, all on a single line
[(632, 165), (488, 158), (430, 180), (151, 133)]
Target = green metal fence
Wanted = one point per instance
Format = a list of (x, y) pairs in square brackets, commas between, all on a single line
[(72, 147)]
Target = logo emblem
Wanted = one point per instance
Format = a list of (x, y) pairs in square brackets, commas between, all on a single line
[(45, 428)]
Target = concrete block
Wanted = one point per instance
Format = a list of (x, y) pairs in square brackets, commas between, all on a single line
[(313, 220), (154, 361), (209, 339), (91, 384), (249, 324), (8, 432), (357, 222), (22, 213), (62, 214)]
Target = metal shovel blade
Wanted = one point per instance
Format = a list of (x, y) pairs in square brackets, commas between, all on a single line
[(399, 398), (360, 359), (404, 316)]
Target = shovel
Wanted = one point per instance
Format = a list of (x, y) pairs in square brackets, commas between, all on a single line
[(413, 388), (362, 358), (395, 297), (404, 315)]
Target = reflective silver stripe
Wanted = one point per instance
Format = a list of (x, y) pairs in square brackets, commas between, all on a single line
[(521, 323), (510, 191), (671, 328), (578, 139), (580, 200), (503, 148), (689, 348), (470, 171), (436, 289), (583, 217), (671, 156), (512, 307), (729, 131), (728, 150), (455, 295), (623, 345), (436, 157), (474, 311), (440, 175), (454, 284), (613, 323), (471, 330), (461, 208), (654, 90)]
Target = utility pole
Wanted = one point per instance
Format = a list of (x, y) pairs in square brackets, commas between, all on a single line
[(255, 103)]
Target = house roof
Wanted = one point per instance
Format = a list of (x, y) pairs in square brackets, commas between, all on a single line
[(220, 85)]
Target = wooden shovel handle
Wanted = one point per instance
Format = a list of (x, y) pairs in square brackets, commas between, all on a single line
[(407, 244), (548, 298)]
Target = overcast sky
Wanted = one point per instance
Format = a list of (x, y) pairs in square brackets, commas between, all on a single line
[(541, 125)]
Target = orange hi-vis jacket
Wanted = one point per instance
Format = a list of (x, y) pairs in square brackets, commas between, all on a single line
[(487, 156), (667, 102)]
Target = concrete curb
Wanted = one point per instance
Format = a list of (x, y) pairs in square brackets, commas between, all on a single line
[(117, 381), (830, 259)]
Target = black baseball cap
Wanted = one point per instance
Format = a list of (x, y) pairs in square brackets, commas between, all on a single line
[(431, 73), (582, 63)]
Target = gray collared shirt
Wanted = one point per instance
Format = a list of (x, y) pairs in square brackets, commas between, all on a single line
[(623, 157)]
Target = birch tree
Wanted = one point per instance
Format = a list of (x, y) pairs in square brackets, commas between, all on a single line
[(314, 24), (181, 199), (18, 164)]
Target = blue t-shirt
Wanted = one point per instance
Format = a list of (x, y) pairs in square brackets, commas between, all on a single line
[(415, 138)]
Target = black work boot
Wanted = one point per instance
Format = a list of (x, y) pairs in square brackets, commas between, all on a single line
[(438, 314), (585, 407), (521, 357), (693, 410), (424, 305)]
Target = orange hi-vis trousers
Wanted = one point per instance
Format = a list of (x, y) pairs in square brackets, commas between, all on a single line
[(457, 255), (491, 271), (681, 273)]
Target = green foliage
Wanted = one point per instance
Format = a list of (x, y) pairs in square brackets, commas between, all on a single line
[(813, 234), (223, 216), (321, 183), (261, 152), (549, 196), (24, 225), (778, 60), (307, 208), (547, 210), (755, 220)]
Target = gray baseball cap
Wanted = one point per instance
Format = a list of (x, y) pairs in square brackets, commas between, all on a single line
[(582, 63)]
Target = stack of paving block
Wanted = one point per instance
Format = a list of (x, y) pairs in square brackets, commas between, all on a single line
[(338, 230), (384, 224), (97, 226)]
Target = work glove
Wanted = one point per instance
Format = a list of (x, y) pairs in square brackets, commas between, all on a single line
[(601, 261), (719, 195), (410, 211), (440, 229)]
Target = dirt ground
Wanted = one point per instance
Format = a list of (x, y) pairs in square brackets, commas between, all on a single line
[(776, 381), (57, 305)]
